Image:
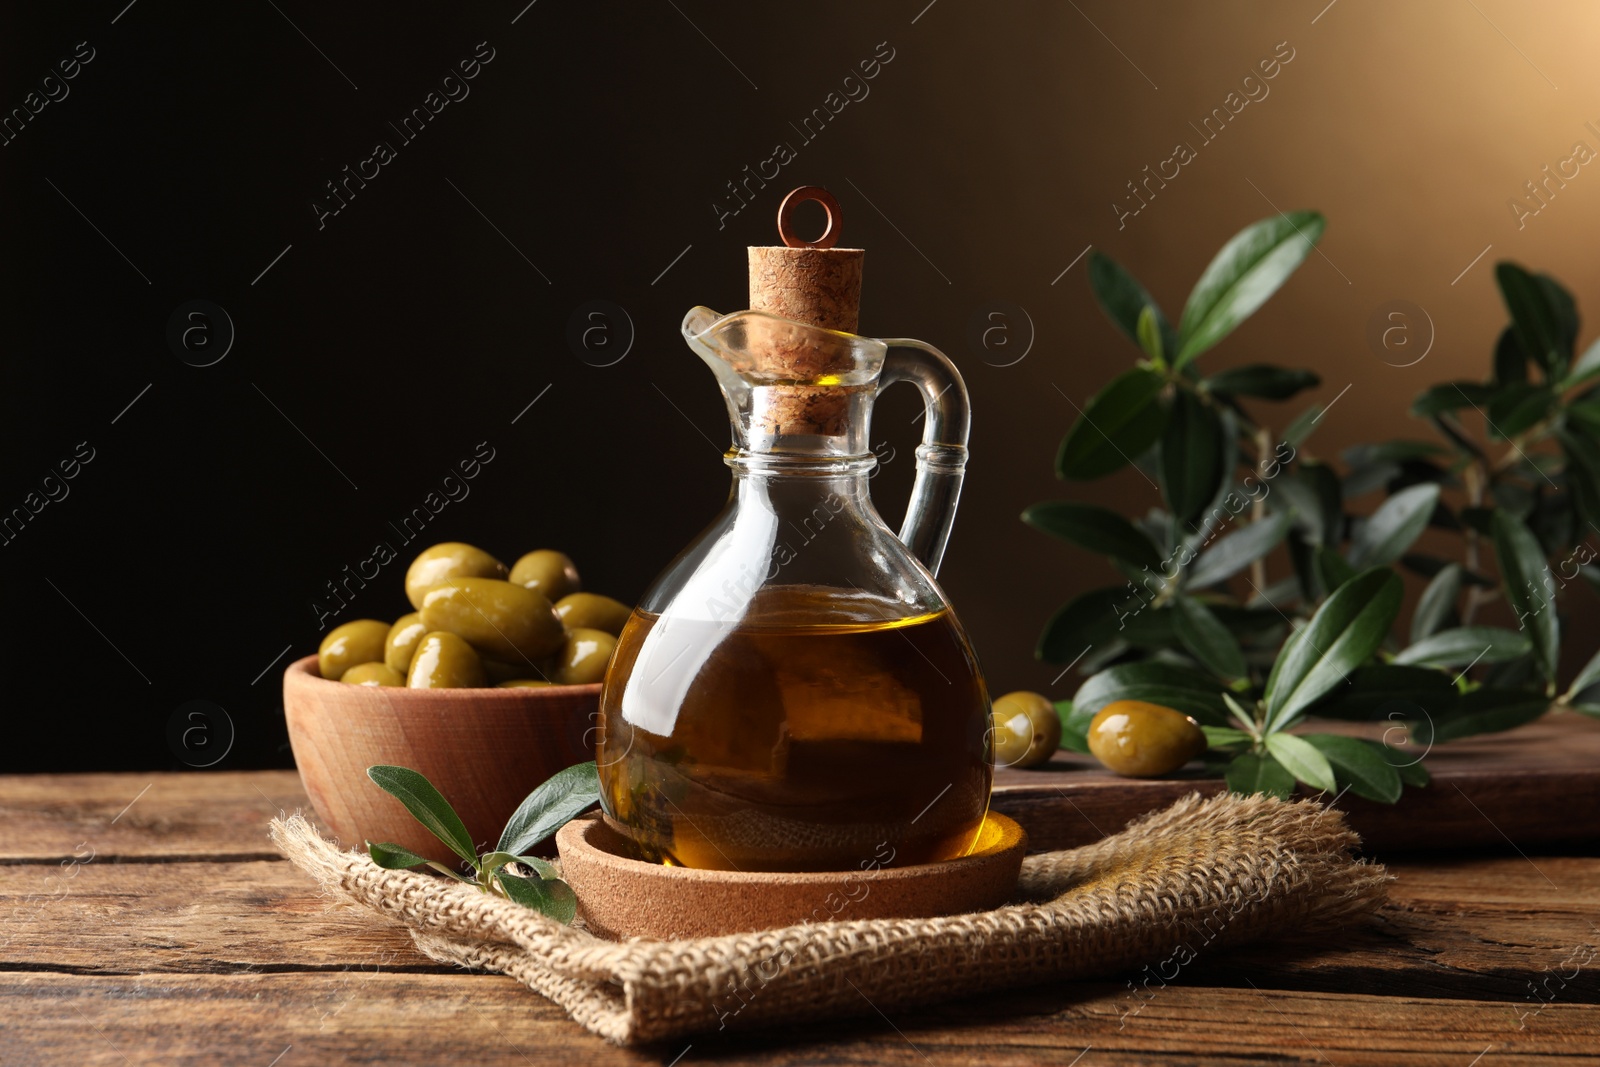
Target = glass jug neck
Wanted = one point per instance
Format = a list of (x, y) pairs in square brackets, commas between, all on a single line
[(842, 415), (850, 470)]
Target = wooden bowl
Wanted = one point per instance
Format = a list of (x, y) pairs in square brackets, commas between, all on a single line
[(619, 896), (485, 750)]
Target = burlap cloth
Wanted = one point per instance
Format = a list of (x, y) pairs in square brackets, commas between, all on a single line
[(1201, 874)]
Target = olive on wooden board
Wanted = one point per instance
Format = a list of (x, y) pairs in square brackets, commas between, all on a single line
[(524, 683), (1141, 740), (1027, 730), (446, 561), (583, 659), (360, 641), (546, 571), (591, 611), (501, 620), (373, 674), (401, 644), (444, 661)]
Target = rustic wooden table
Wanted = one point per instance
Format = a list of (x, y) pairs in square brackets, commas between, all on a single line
[(148, 920)]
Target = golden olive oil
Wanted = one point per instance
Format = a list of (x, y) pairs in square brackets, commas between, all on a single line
[(819, 730)]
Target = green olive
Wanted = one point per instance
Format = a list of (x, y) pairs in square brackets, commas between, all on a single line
[(584, 657), (449, 560), (546, 571), (501, 620), (1027, 730), (372, 674), (355, 642), (524, 683), (444, 661), (498, 671), (591, 611), (401, 644), (1140, 740)]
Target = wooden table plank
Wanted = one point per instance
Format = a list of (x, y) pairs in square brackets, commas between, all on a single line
[(366, 1017), (175, 816), (128, 918), (1520, 787), (1476, 928)]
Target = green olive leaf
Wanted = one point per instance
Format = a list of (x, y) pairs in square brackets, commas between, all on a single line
[(1249, 268), (542, 867), (551, 897), (1332, 571), (1240, 715), (1540, 311), (1589, 675), (1099, 530), (1191, 456), (1207, 639), (393, 857), (1125, 302), (1359, 766), (1487, 711), (493, 862), (1518, 406), (550, 806), (1149, 330), (1261, 380), (1087, 620), (1380, 691), (1301, 759), (425, 804), (1450, 396), (1410, 768), (1223, 736), (1437, 604), (1466, 645), (1074, 727), (1587, 367), (1582, 450), (1252, 773), (1343, 634), (1510, 361), (1529, 588), (1394, 527), (1174, 687), (1119, 423), (1301, 426), (1233, 553)]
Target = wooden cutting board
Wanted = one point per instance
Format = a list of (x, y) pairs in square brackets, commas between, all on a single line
[(1536, 785)]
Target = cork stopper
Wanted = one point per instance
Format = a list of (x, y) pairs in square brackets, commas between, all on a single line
[(817, 284)]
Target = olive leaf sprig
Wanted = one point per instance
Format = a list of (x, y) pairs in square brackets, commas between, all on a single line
[(1345, 631), (545, 810), (1203, 626)]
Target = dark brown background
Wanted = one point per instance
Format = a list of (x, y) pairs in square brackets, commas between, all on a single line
[(986, 158)]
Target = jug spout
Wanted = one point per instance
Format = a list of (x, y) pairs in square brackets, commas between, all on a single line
[(789, 387), (803, 392)]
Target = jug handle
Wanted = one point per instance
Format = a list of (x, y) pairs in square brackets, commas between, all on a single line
[(942, 456)]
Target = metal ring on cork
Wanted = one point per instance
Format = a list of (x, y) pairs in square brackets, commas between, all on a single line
[(830, 235)]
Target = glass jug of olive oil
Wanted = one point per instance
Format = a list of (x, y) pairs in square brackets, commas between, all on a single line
[(794, 692)]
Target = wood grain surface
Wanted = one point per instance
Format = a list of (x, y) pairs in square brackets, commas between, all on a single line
[(147, 920)]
